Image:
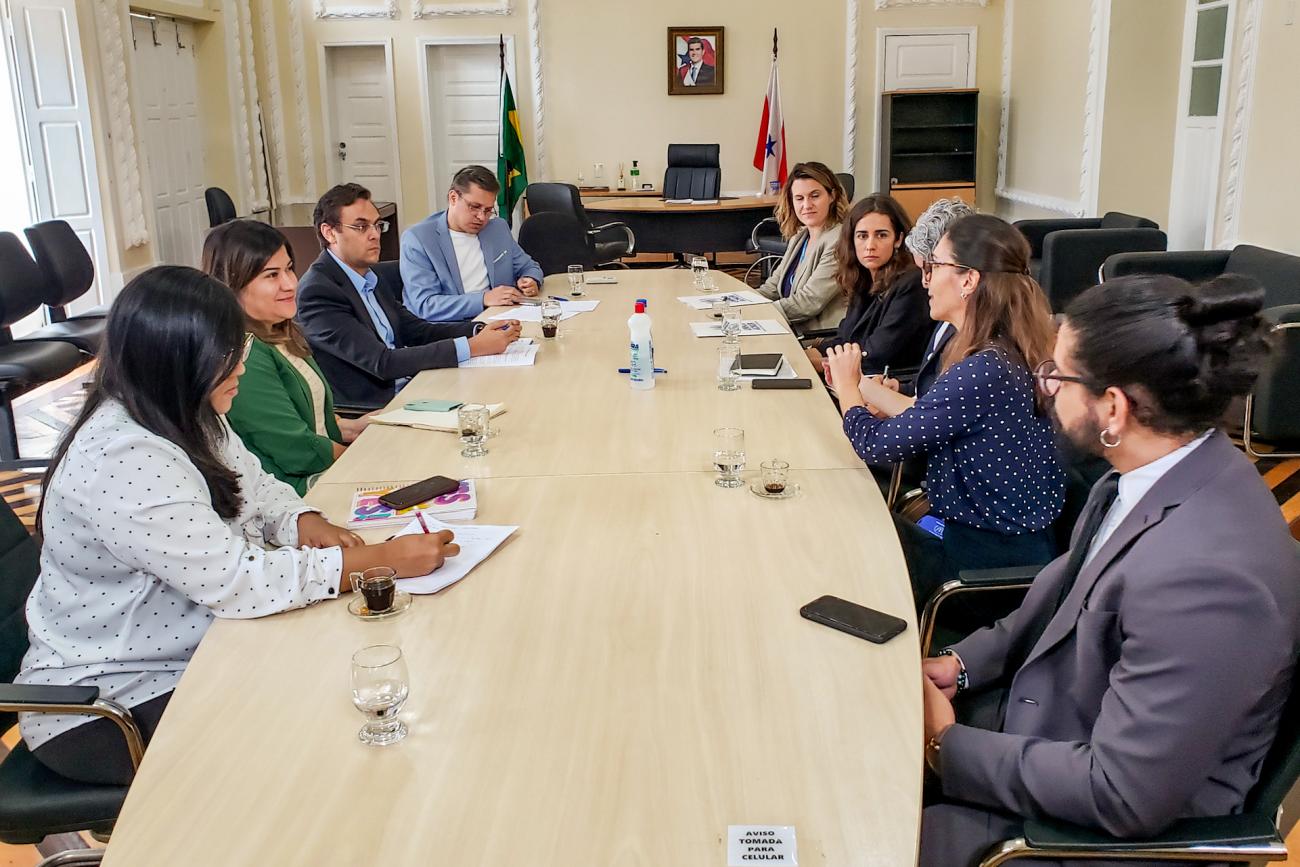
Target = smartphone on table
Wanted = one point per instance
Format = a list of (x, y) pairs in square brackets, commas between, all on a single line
[(857, 620)]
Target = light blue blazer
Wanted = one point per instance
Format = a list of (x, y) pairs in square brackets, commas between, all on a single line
[(432, 286)]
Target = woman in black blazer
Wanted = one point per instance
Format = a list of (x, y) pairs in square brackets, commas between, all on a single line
[(888, 313)]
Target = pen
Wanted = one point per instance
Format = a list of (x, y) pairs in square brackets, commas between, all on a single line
[(556, 298), (419, 516), (885, 375), (629, 370)]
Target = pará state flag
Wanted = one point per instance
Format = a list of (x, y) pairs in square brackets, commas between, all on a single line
[(769, 153)]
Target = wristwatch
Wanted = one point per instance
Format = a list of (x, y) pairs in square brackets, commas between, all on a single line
[(963, 679)]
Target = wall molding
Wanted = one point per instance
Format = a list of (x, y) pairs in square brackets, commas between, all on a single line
[(279, 141), (324, 9), (419, 9), (539, 90), (886, 4), (1242, 113), (301, 104), (850, 84), (238, 52), (261, 183), (1094, 98), (124, 157)]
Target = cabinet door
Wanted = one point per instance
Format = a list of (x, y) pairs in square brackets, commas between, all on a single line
[(928, 61)]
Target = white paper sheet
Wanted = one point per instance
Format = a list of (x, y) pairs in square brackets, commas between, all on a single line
[(743, 298), (748, 327), (516, 355), (568, 310), (477, 542)]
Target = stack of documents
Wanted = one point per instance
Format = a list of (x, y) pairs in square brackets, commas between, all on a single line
[(445, 421), (748, 327), (742, 298), (477, 542), (517, 354), (459, 505)]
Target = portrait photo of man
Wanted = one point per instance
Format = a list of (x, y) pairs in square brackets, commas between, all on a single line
[(696, 70), (694, 60)]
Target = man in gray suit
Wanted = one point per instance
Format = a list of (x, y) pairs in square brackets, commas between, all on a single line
[(1142, 679)]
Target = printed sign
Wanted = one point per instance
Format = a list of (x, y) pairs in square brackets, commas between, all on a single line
[(748, 845)]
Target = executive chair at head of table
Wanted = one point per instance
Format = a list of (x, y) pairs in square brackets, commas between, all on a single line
[(694, 172)]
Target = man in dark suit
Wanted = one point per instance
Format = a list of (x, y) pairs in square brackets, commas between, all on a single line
[(367, 344), (1142, 679), (695, 71)]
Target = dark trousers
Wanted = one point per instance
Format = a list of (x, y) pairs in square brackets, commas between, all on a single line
[(95, 752), (932, 561)]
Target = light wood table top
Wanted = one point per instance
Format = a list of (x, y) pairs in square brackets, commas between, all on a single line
[(572, 412), (738, 203), (627, 676)]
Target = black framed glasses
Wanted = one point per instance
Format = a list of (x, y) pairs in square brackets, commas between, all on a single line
[(928, 266), (1049, 378), (380, 226)]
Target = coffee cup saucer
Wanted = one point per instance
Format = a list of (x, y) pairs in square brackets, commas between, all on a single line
[(401, 602), (790, 491)]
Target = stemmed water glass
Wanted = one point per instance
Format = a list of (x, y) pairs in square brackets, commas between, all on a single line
[(380, 686)]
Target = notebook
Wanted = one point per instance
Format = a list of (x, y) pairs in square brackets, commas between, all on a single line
[(759, 364)]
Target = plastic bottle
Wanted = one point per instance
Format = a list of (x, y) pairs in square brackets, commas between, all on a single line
[(642, 366), (634, 176), (646, 306)]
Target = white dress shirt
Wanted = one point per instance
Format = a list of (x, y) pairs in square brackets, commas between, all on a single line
[(136, 563), (1133, 486), (469, 259)]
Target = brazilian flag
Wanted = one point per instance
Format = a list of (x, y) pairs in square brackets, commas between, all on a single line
[(512, 170)]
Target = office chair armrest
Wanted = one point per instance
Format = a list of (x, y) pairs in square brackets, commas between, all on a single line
[(970, 581), (1037, 230), (623, 227), (753, 235), (347, 411), (34, 698), (1191, 265), (818, 333), (1246, 837)]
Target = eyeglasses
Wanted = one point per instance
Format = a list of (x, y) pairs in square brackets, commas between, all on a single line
[(243, 350), (480, 210), (380, 227), (1049, 379), (928, 266)]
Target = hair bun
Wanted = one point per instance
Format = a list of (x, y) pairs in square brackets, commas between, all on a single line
[(1226, 298)]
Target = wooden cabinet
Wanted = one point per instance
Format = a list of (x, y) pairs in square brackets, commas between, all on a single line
[(928, 146)]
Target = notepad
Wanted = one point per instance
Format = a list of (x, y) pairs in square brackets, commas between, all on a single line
[(751, 327), (759, 364), (690, 201), (458, 505), (743, 298), (442, 421), (517, 354), (477, 542), (600, 279)]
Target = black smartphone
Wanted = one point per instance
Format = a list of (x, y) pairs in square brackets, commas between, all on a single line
[(781, 383), (420, 492), (857, 620)]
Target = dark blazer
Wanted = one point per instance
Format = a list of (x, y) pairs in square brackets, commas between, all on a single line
[(892, 328), (929, 369), (1154, 691), (348, 349), (707, 74)]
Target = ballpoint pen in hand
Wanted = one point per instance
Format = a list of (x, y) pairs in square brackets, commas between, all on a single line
[(419, 516)]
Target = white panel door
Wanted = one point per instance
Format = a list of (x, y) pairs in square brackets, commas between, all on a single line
[(56, 125), (165, 76), (927, 61), (464, 94), (361, 129)]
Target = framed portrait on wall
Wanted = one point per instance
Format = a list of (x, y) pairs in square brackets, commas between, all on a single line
[(695, 60)]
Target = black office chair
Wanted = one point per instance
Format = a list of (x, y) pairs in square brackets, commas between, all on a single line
[(556, 241), (1066, 255), (1246, 837), (34, 801), (24, 364), (68, 273), (694, 172), (766, 238), (221, 208), (544, 198), (849, 184), (1273, 408)]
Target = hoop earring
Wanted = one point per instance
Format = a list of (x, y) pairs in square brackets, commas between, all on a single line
[(1102, 437)]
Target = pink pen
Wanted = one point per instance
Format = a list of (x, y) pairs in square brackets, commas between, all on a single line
[(419, 516)]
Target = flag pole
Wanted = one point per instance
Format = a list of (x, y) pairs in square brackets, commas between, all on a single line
[(501, 94)]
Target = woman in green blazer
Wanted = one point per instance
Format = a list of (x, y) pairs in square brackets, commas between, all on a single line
[(284, 411)]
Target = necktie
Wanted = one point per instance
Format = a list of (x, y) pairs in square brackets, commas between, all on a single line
[(1107, 490)]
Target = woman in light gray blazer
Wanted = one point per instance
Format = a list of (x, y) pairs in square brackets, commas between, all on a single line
[(810, 212)]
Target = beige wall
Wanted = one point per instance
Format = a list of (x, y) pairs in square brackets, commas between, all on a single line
[(1271, 170), (1141, 108)]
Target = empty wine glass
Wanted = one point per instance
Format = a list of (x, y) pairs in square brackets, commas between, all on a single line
[(729, 456), (380, 686)]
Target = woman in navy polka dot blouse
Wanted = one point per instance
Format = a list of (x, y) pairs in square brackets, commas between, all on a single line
[(993, 473), (156, 519)]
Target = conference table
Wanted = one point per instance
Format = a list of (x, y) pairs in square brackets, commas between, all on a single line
[(622, 680), (666, 227)]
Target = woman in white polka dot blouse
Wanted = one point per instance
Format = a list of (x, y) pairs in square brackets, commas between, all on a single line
[(156, 519), (993, 475)]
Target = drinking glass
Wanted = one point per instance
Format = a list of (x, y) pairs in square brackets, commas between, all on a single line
[(774, 476), (380, 686), (576, 280), (700, 271), (551, 311), (731, 324), (473, 419), (729, 456), (728, 356)]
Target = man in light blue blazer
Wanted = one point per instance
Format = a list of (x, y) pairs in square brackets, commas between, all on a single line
[(463, 259)]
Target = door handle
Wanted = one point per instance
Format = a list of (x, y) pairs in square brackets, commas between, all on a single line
[(343, 150)]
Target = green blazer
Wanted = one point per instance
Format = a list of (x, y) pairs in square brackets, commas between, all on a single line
[(273, 415)]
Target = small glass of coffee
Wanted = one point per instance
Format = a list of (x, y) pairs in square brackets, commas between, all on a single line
[(551, 311), (377, 586), (473, 425), (774, 477)]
